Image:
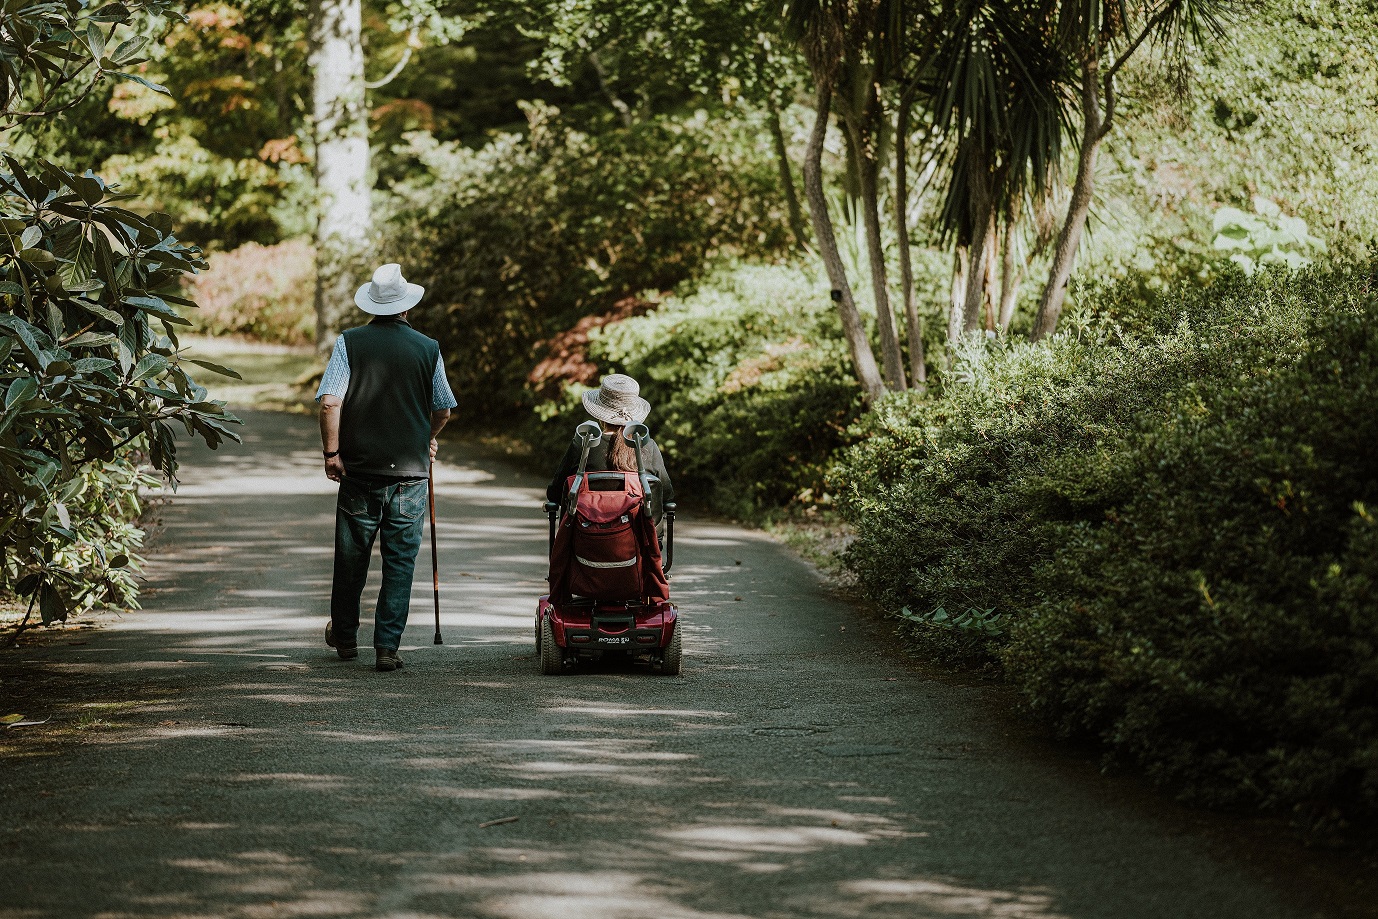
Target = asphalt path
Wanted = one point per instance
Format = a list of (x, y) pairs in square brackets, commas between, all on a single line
[(222, 762)]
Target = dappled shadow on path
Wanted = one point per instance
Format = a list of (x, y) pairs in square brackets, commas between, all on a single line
[(219, 761)]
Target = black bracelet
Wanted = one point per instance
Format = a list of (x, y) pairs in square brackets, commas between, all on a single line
[(331, 455)]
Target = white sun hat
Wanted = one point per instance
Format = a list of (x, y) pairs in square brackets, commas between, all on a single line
[(617, 400), (388, 293)]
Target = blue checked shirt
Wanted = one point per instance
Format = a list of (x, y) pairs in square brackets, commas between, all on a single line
[(336, 380)]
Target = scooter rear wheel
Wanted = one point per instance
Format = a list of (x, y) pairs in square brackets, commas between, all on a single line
[(552, 656), (670, 663)]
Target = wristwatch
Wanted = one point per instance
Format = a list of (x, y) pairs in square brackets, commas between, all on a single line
[(331, 454)]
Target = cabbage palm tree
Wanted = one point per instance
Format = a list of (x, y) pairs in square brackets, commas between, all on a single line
[(995, 91)]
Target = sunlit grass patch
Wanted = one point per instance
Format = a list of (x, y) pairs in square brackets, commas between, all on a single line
[(272, 376)]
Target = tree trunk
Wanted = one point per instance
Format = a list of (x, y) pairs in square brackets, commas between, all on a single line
[(863, 358), (988, 277), (340, 126), (913, 324), (976, 276), (892, 360), (624, 111), (777, 135), (1011, 274), (1069, 238), (960, 265)]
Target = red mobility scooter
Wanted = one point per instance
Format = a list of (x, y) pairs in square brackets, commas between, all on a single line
[(609, 591)]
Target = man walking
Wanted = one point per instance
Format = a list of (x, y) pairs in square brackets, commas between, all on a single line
[(383, 400)]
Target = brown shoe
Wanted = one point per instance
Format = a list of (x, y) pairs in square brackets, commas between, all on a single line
[(388, 661), (346, 652)]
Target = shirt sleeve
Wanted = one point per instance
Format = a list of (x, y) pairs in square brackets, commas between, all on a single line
[(569, 463), (335, 382), (667, 489), (442, 397)]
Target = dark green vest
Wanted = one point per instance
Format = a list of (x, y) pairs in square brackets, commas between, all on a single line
[(385, 421)]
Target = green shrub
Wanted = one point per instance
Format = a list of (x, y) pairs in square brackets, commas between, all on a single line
[(749, 383), (1175, 526), (91, 371), (519, 240), (260, 292)]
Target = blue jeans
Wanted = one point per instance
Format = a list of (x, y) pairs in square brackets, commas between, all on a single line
[(365, 508)]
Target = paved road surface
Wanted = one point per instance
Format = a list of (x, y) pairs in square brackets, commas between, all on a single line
[(236, 768)]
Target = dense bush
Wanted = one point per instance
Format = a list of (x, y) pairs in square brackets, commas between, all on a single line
[(519, 240), (261, 292), (1176, 524), (749, 381)]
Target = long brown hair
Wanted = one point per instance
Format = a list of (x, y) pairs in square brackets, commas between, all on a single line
[(620, 456)]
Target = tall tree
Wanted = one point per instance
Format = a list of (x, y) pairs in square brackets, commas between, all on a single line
[(869, 33), (340, 129), (918, 368), (822, 38), (1098, 37)]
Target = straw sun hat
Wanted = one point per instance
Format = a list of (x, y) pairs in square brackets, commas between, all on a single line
[(617, 400), (388, 293)]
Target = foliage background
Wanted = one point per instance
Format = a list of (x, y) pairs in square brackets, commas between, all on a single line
[(1159, 527)]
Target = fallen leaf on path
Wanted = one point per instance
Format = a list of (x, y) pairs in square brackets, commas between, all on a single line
[(11, 719), (484, 826)]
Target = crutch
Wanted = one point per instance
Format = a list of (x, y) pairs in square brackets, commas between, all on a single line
[(636, 435), (435, 561)]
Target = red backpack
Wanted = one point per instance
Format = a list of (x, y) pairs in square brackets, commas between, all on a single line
[(607, 548)]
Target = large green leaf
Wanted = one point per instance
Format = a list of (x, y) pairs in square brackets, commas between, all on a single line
[(135, 78), (51, 606), (91, 340), (97, 309), (215, 368), (20, 391), (150, 365)]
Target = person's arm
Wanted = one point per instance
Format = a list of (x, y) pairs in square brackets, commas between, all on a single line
[(442, 400), (438, 421), (330, 437), (330, 395), (667, 490)]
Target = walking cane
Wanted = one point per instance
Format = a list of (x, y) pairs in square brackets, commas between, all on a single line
[(435, 564)]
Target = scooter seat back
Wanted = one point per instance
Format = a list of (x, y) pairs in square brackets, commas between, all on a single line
[(607, 496)]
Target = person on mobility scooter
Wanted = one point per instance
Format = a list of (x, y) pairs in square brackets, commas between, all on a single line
[(611, 509)]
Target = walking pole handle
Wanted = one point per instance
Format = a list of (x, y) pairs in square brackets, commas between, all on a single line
[(589, 435), (636, 435), (551, 510), (435, 558)]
